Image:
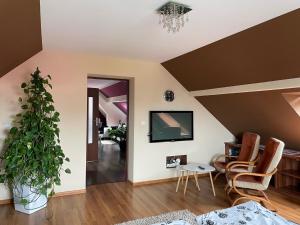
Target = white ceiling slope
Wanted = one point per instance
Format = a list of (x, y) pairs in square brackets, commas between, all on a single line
[(130, 28), (100, 83)]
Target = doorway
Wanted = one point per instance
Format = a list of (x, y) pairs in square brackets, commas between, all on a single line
[(107, 130)]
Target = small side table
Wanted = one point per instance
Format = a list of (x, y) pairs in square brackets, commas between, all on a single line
[(194, 169)]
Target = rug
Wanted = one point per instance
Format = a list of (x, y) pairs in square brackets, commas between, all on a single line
[(166, 218), (108, 142)]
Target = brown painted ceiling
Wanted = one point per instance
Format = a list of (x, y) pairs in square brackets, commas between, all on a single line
[(267, 112), (20, 28), (266, 52)]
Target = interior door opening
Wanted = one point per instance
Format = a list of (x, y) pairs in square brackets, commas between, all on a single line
[(107, 130)]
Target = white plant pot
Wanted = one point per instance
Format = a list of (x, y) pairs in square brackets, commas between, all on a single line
[(36, 201)]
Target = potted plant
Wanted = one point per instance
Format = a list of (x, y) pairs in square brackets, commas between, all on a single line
[(119, 135), (32, 158)]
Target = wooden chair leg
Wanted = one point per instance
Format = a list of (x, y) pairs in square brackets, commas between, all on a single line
[(217, 175), (237, 200), (268, 201), (229, 199), (258, 198), (226, 186), (228, 191)]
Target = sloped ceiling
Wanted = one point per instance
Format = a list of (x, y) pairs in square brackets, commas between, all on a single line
[(268, 113), (117, 89), (269, 51), (20, 29)]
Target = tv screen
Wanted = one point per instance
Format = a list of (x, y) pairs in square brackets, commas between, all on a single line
[(171, 126)]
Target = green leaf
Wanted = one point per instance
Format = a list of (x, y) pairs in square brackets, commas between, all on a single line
[(2, 179), (68, 171), (24, 201), (24, 106), (67, 159), (51, 193), (13, 130), (51, 108), (37, 71)]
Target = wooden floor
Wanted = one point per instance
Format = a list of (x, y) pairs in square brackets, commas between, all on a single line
[(117, 202), (110, 168)]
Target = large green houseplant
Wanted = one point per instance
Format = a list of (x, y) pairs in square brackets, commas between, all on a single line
[(32, 158)]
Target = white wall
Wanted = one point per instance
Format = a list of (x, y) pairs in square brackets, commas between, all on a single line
[(148, 81), (113, 113)]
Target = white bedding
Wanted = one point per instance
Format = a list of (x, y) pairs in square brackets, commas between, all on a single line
[(176, 222), (249, 213)]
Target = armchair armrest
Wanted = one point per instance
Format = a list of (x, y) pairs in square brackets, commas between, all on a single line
[(239, 163), (230, 168), (249, 163)]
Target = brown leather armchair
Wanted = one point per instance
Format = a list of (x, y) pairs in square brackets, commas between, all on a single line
[(258, 180), (248, 153)]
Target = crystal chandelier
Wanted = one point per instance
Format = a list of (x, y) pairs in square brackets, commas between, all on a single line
[(173, 16)]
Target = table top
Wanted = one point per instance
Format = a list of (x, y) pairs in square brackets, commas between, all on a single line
[(194, 167)]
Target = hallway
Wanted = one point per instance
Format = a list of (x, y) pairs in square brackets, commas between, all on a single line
[(111, 166)]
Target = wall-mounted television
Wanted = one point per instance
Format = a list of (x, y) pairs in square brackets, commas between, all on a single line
[(171, 126)]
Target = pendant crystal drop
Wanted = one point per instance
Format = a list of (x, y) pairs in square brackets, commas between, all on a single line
[(173, 16)]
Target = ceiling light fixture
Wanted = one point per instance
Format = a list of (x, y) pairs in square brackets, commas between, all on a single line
[(173, 16)]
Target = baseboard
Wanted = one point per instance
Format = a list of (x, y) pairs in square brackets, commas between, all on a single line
[(59, 194), (6, 201), (158, 181), (66, 193)]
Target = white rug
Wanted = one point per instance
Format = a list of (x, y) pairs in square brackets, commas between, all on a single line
[(108, 142), (182, 217)]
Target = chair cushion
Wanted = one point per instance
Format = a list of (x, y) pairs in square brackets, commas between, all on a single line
[(248, 146), (246, 178), (246, 181), (267, 157)]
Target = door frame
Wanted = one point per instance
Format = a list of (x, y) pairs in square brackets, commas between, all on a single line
[(95, 133), (129, 81)]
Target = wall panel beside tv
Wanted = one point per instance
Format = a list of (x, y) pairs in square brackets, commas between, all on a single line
[(166, 126)]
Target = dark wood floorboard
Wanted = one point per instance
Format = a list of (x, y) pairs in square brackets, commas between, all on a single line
[(112, 203), (110, 168)]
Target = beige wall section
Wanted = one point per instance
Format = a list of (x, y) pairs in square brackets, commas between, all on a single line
[(148, 81)]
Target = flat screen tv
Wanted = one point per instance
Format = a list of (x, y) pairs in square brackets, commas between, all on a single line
[(171, 126)]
